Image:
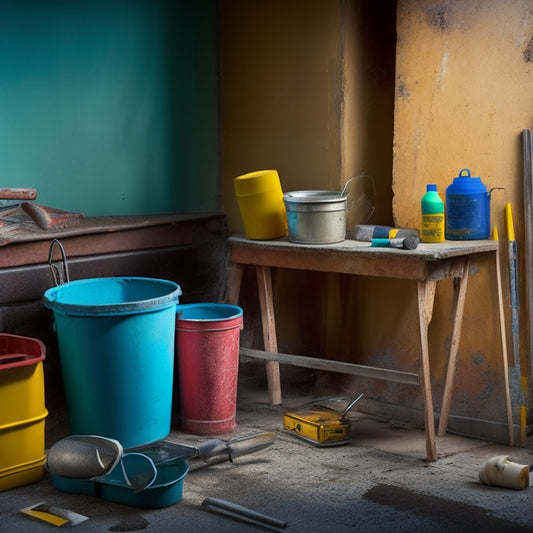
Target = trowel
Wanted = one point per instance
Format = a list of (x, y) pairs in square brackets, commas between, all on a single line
[(83, 456), (93, 457), (211, 451)]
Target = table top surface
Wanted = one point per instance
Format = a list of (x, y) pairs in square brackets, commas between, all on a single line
[(424, 251)]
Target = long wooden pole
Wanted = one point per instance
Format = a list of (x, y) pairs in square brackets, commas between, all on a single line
[(504, 343)]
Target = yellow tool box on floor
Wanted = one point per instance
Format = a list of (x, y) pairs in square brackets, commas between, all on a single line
[(319, 425)]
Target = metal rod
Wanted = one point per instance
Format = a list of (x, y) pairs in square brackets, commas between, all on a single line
[(352, 403), (527, 143), (242, 513)]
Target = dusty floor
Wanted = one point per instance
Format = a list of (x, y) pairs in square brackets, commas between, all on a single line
[(378, 482)]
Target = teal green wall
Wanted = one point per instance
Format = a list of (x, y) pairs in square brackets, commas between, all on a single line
[(111, 107)]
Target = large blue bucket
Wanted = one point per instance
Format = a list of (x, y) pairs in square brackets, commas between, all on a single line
[(116, 346)]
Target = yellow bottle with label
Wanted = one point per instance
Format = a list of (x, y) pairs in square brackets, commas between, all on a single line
[(433, 226)]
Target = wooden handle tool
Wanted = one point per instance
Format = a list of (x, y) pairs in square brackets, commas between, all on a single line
[(18, 194)]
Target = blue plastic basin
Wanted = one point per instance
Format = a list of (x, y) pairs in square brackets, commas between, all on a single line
[(116, 346)]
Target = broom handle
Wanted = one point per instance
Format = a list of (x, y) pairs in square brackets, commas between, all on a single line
[(504, 342)]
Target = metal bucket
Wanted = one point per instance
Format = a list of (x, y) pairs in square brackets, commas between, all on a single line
[(316, 217)]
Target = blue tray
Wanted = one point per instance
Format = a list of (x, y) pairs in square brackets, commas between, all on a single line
[(167, 489)]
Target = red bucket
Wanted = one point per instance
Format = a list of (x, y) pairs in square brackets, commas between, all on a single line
[(207, 338)]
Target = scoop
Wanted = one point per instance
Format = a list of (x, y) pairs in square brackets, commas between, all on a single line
[(83, 456), (90, 456)]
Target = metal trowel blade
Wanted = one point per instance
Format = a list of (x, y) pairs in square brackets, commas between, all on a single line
[(83, 456), (165, 451)]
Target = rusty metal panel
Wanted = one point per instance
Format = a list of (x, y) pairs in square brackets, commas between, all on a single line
[(107, 235), (192, 254)]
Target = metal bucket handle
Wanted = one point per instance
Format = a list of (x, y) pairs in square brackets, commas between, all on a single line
[(59, 279), (343, 193), (368, 204), (495, 189)]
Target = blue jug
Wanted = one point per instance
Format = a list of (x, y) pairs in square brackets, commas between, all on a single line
[(467, 208)]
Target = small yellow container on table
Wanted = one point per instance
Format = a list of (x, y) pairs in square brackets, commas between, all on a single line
[(260, 200)]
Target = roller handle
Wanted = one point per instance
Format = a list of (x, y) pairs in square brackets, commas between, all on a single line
[(218, 451), (18, 194), (249, 445), (239, 512)]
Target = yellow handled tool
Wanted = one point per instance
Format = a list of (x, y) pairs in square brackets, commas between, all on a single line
[(516, 381)]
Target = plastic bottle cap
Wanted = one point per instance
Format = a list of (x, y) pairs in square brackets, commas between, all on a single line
[(431, 188)]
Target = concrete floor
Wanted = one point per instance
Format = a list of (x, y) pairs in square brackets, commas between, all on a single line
[(378, 482)]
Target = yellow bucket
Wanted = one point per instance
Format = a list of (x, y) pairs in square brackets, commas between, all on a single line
[(22, 410), (260, 200)]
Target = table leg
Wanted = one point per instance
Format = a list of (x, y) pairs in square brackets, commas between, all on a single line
[(233, 283), (264, 283), (459, 291), (426, 298)]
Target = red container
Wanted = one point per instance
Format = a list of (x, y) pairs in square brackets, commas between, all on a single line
[(207, 337)]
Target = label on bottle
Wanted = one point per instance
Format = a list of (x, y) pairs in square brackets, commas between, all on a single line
[(432, 228), (468, 218)]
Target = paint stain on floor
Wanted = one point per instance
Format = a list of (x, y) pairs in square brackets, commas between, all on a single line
[(133, 523), (460, 516)]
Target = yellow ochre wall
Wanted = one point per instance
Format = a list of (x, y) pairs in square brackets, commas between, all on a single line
[(464, 88), (405, 93)]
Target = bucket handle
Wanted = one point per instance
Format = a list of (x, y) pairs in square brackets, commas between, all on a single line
[(56, 274), (14, 360), (364, 200), (343, 193), (495, 189)]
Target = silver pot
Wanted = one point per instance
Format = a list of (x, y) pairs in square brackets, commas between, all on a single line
[(316, 217)]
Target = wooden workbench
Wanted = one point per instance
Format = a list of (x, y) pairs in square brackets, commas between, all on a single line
[(426, 265)]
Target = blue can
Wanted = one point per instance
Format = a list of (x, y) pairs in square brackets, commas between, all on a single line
[(467, 208)]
